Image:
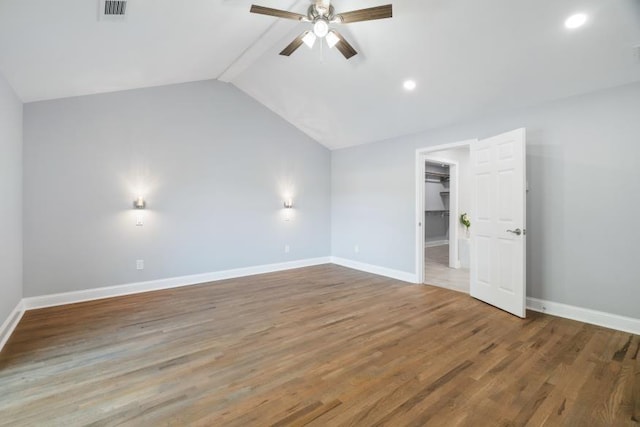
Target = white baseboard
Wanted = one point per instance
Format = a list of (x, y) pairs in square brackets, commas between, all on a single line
[(374, 269), (594, 317), (435, 243), (43, 301), (608, 320), (600, 318), (10, 323)]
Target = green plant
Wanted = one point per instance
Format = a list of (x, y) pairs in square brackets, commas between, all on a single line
[(464, 220)]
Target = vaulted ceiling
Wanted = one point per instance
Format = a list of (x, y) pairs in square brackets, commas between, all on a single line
[(468, 57)]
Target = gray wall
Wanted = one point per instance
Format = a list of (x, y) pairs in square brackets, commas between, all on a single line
[(213, 165), (10, 200), (584, 176)]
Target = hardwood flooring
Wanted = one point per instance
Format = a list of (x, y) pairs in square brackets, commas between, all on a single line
[(320, 346)]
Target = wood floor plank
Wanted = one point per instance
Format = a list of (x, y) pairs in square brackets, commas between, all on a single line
[(317, 346)]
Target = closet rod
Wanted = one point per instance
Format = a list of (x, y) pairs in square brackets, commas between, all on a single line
[(437, 174)]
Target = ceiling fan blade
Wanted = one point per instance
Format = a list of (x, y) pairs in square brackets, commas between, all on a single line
[(343, 46), (294, 45), (378, 12), (276, 12)]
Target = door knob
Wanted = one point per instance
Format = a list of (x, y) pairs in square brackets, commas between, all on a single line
[(517, 231)]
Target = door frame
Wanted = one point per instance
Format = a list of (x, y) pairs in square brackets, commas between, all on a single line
[(422, 156)]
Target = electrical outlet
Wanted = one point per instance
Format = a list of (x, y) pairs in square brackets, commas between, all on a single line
[(356, 249), (140, 264), (286, 249)]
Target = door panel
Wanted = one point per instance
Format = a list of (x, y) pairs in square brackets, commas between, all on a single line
[(505, 269), (483, 189), (498, 263), (483, 246)]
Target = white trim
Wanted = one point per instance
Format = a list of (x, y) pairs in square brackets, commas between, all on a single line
[(434, 243), (375, 269), (421, 154), (600, 318), (586, 315), (448, 146), (10, 323), (43, 301)]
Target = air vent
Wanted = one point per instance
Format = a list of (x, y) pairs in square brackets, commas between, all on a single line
[(112, 10), (115, 8)]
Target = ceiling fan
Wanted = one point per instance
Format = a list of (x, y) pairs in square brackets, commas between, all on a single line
[(321, 14)]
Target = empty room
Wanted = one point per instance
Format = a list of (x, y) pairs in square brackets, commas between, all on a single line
[(319, 213)]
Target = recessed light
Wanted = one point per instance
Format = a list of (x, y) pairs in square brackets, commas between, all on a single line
[(575, 21), (409, 84)]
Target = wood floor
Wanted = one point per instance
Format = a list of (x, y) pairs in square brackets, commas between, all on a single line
[(320, 346)]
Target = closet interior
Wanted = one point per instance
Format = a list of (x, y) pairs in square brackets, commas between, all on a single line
[(437, 179)]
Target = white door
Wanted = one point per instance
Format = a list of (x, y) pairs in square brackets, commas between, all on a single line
[(498, 228)]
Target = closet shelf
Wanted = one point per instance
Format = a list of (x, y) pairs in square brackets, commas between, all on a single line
[(440, 175)]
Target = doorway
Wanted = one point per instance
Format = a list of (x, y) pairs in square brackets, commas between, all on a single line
[(446, 195), (496, 197)]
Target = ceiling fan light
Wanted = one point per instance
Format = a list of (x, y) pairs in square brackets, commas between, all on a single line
[(309, 39), (321, 28), (332, 39)]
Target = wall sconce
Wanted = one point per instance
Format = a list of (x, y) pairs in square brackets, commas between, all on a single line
[(139, 203), (288, 209)]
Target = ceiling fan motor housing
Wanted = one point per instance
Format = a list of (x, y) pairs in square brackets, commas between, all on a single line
[(314, 13)]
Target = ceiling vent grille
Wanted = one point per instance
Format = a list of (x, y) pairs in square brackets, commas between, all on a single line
[(115, 8), (112, 10)]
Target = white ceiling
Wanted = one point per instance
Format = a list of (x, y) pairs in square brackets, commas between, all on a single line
[(468, 57)]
